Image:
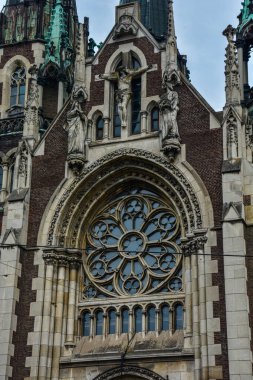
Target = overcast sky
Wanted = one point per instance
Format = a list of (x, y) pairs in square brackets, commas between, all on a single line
[(199, 26)]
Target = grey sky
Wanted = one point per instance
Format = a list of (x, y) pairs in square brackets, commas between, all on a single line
[(199, 25)]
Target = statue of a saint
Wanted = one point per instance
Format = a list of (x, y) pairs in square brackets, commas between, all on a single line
[(123, 76), (77, 123), (169, 109)]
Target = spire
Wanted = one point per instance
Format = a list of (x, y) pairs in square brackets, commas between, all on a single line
[(172, 68), (246, 14), (233, 95), (59, 53)]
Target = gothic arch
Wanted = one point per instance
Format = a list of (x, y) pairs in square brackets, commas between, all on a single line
[(73, 204), (136, 372)]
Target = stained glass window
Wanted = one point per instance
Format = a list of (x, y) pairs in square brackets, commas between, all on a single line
[(99, 322), (124, 321), (112, 321), (155, 119), (86, 324), (179, 317), (151, 318), (18, 87), (138, 319), (100, 128), (133, 246), (165, 317)]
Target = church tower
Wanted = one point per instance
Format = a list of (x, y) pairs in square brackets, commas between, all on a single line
[(154, 15)]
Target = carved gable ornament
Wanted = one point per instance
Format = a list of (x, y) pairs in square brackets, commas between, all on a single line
[(125, 27), (136, 372)]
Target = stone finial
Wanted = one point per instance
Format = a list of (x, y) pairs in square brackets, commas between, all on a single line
[(233, 94)]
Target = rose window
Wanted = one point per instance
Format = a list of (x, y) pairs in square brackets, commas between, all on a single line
[(133, 247)]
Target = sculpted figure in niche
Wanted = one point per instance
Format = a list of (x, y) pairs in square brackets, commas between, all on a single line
[(169, 107), (77, 123), (123, 76), (22, 170)]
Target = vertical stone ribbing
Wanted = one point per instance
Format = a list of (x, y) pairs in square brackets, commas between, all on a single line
[(72, 303), (195, 316), (58, 319), (46, 319)]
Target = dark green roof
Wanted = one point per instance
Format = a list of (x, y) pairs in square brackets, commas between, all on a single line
[(154, 15)]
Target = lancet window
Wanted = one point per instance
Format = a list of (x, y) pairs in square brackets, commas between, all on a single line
[(18, 87), (99, 128), (154, 119)]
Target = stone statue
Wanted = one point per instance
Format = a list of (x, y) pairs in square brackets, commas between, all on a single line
[(22, 169), (77, 123), (169, 107), (123, 76)]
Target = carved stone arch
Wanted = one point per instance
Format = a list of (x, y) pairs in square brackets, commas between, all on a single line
[(76, 202), (130, 371)]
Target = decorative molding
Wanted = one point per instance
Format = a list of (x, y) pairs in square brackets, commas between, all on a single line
[(178, 186), (125, 27), (141, 373)]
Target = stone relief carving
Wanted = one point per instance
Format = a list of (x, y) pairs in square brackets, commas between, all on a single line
[(141, 373), (123, 77), (125, 27), (31, 122), (22, 169), (232, 136), (180, 190), (77, 127)]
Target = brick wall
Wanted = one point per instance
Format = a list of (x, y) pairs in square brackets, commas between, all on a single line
[(50, 101), (25, 323), (24, 49), (47, 173)]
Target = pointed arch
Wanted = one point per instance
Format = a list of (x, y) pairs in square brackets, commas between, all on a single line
[(62, 225), (136, 372)]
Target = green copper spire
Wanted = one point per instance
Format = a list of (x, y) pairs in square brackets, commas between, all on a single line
[(59, 53), (246, 14)]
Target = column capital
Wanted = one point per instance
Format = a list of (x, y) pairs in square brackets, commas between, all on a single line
[(189, 247)]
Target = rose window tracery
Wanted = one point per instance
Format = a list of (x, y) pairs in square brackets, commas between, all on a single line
[(132, 247)]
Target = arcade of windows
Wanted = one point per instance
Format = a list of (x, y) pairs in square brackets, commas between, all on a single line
[(132, 251), (139, 319)]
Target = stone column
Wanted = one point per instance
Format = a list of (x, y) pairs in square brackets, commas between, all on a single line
[(186, 249), (74, 266), (131, 324), (195, 316), (157, 322), (144, 115), (60, 96), (106, 128), (5, 181), (144, 323), (62, 263), (50, 262), (117, 325)]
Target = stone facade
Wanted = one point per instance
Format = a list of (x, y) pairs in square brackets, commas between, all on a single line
[(126, 204)]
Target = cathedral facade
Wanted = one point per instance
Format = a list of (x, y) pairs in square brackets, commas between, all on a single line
[(126, 201)]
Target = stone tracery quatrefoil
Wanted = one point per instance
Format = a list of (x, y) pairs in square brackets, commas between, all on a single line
[(132, 246)]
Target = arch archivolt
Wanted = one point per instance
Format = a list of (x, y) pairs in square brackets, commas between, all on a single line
[(130, 372), (81, 197)]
